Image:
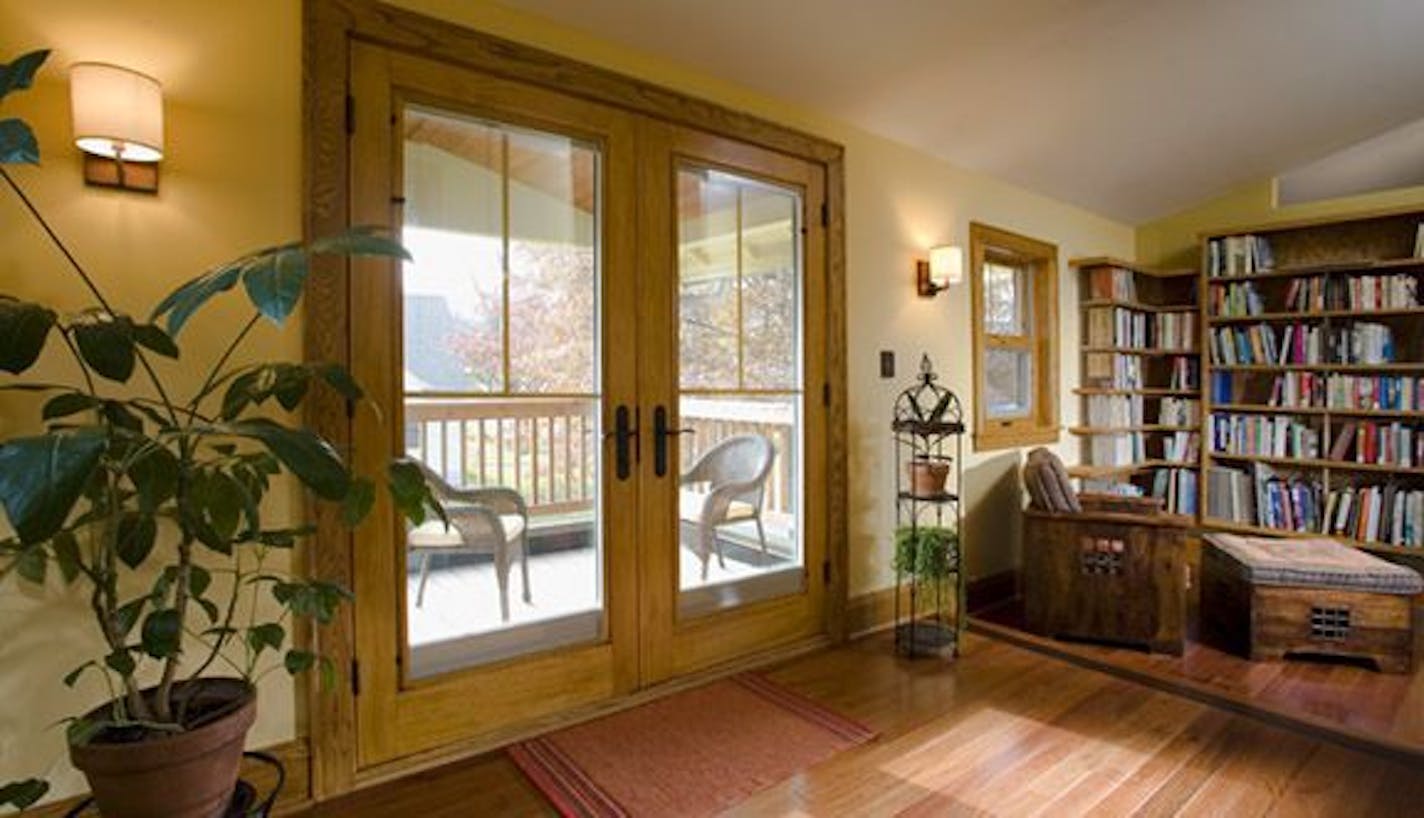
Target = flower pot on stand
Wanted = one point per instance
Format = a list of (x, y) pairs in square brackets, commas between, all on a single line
[(191, 774), (927, 477)]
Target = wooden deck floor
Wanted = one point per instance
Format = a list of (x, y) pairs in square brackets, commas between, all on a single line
[(1001, 732)]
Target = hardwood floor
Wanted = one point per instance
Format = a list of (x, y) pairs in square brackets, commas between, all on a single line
[(1002, 732), (1385, 708)]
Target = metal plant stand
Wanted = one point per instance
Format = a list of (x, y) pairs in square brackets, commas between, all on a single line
[(929, 427)]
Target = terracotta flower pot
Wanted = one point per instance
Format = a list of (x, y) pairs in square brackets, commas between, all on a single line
[(184, 775), (927, 477)]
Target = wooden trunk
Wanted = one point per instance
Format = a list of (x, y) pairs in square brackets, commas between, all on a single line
[(1264, 622), (1107, 577)]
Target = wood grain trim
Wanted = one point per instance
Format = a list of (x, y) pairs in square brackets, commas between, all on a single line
[(870, 611), (1206, 694), (431, 37), (837, 414), (295, 756)]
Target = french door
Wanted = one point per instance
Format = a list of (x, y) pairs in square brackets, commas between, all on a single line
[(600, 351)]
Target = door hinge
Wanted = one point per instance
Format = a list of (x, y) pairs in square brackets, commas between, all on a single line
[(350, 114), (825, 214), (355, 678), (826, 394), (826, 571)]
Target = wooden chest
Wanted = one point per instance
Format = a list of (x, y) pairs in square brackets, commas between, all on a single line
[(1265, 622), (1106, 576)]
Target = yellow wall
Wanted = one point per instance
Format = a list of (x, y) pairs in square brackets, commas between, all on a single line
[(232, 181), (1173, 241)]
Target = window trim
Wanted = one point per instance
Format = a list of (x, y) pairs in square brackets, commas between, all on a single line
[(1041, 424)]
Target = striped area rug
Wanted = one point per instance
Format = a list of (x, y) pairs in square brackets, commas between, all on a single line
[(693, 753)]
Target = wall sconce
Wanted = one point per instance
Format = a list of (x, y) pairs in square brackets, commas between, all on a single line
[(118, 124), (944, 268)]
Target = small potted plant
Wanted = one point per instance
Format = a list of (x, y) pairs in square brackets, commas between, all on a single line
[(153, 501), (927, 475), (924, 552)]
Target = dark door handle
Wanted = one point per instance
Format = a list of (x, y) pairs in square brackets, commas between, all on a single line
[(661, 435), (625, 441)]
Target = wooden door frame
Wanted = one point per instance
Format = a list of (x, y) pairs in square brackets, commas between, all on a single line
[(328, 30)]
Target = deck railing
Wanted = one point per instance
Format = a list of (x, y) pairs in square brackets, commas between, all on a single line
[(545, 448)]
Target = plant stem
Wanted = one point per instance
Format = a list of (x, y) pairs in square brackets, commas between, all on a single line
[(163, 697), (222, 361), (88, 282)]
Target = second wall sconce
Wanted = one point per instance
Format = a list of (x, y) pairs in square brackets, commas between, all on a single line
[(118, 124), (944, 268)]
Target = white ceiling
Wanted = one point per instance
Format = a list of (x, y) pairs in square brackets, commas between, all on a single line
[(1131, 108)]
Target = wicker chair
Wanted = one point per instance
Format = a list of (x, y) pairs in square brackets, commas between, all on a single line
[(734, 473), (490, 521)]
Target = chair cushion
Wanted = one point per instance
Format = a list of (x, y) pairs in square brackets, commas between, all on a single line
[(689, 507), (432, 534), (1058, 493), (1314, 563)]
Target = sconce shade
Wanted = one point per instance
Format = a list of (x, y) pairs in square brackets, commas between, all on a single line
[(117, 113), (946, 265)]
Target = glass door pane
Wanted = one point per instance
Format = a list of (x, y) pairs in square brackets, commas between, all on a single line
[(739, 259), (501, 389)]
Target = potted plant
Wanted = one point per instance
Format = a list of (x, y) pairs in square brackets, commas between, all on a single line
[(923, 552), (927, 475), (153, 501)]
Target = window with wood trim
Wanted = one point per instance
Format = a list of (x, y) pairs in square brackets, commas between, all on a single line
[(1015, 314)]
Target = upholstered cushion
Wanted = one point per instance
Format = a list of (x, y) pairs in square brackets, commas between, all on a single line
[(1033, 483), (433, 534), (1314, 563), (690, 504), (1057, 489)]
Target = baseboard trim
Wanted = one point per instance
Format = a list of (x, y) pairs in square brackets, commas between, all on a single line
[(295, 797), (1301, 723), (991, 590), (875, 610)]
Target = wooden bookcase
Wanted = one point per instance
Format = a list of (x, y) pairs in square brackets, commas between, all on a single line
[(1141, 357), (1323, 281)]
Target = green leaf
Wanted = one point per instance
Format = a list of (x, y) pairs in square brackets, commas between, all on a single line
[(154, 475), (17, 143), (358, 501), (126, 616), (298, 661), (19, 73), (328, 673), (284, 537), (121, 662), (42, 477), (412, 494), (339, 379), (315, 599), (199, 580), (68, 403), (180, 304), (362, 240), (137, 534), (118, 414), (72, 677), (105, 342), (66, 555), (82, 731), (268, 635), (23, 794), (162, 633), (305, 453), (274, 283), (210, 608), (24, 327), (152, 337), (32, 564)]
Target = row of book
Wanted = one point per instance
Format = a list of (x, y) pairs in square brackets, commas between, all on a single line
[(1117, 450), (1181, 447), (1179, 412), (1174, 330), (1185, 374), (1112, 411), (1111, 284), (1375, 392), (1113, 370), (1299, 389), (1371, 292), (1239, 255), (1387, 514), (1236, 299), (1264, 435), (1178, 490), (1306, 294), (1117, 327), (1387, 444), (1361, 342)]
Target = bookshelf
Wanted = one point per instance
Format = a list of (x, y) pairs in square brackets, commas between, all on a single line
[(1140, 382), (1313, 368)]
